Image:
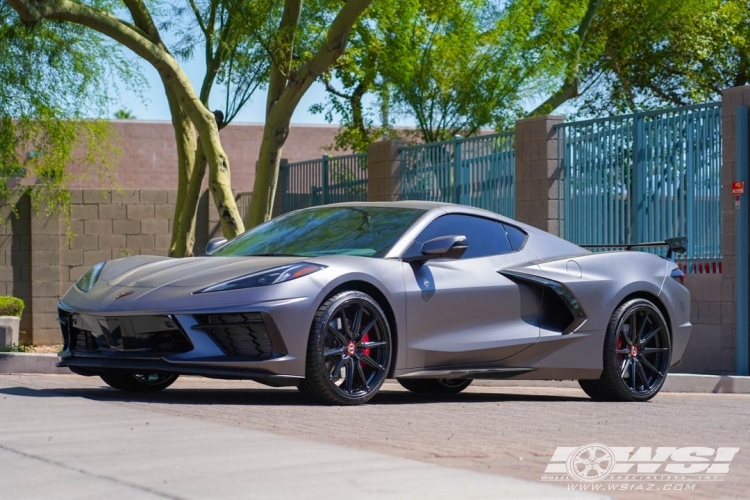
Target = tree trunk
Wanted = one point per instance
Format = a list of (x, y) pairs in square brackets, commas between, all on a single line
[(267, 172), (186, 145), (190, 203)]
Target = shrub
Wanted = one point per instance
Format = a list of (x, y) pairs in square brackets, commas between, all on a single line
[(11, 306)]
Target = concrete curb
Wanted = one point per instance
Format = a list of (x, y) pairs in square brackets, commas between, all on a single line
[(13, 362), (24, 362)]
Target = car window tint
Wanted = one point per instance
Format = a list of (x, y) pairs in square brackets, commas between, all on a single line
[(485, 236), (329, 230), (516, 236)]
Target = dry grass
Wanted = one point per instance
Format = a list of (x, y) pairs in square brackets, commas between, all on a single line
[(54, 349)]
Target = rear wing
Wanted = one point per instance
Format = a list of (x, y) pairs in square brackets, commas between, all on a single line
[(675, 245)]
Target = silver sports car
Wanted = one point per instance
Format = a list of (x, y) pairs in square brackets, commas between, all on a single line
[(336, 299)]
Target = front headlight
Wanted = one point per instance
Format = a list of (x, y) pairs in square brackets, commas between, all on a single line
[(90, 277), (268, 277)]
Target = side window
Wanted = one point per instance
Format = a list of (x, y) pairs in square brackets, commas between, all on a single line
[(485, 236), (516, 236)]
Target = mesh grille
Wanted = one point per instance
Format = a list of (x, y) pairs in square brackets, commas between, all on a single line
[(238, 334)]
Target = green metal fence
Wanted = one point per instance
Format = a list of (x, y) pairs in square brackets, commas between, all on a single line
[(477, 171), (330, 179), (644, 177)]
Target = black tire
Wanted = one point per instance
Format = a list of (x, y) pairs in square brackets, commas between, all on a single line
[(138, 382), (636, 358), (436, 385), (349, 351)]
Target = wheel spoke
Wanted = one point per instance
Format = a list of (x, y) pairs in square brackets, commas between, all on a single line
[(350, 376), (648, 364), (333, 352), (371, 345), (651, 350), (368, 326), (357, 323), (337, 334), (368, 360), (632, 376), (637, 339), (622, 351), (642, 374), (633, 328), (362, 375), (337, 369), (649, 336), (347, 330), (625, 335), (625, 366)]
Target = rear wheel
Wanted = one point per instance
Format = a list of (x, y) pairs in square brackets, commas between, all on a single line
[(349, 351), (138, 382), (436, 385), (636, 355)]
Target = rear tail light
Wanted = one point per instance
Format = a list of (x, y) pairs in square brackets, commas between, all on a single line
[(678, 276)]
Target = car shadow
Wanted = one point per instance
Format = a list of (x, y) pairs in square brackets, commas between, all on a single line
[(273, 396)]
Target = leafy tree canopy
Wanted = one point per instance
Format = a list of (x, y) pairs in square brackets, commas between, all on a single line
[(55, 81)]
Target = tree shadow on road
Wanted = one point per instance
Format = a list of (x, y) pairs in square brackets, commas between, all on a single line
[(274, 396)]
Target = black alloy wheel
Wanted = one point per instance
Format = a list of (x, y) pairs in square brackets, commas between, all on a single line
[(349, 351), (138, 382), (436, 385), (637, 352)]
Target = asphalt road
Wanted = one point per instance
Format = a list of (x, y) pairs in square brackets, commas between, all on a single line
[(71, 437)]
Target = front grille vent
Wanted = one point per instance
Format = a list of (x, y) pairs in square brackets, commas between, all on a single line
[(238, 334), (139, 335)]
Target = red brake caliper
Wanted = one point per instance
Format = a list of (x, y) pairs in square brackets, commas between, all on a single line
[(365, 352)]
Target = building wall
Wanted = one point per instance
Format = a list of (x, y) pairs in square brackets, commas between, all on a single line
[(148, 157)]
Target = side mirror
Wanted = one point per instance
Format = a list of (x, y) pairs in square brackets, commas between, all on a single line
[(443, 247), (214, 243)]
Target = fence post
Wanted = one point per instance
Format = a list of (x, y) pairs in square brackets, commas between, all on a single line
[(742, 244), (638, 203), (325, 179), (536, 174), (458, 172), (384, 170)]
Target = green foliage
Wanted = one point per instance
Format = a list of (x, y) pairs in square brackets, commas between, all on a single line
[(454, 66), (124, 114), (56, 77), (16, 348), (11, 306), (659, 53)]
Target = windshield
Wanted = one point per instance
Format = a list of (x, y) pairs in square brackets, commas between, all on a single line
[(365, 231)]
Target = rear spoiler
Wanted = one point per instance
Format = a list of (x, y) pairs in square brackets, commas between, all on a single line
[(676, 245)]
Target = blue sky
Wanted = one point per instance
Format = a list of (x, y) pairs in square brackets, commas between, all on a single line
[(154, 105)]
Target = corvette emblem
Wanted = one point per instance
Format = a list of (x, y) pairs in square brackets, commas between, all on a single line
[(124, 294)]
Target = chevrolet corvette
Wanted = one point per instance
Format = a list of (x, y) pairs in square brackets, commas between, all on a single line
[(338, 298)]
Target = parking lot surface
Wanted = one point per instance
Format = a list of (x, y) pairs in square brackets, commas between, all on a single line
[(477, 439)]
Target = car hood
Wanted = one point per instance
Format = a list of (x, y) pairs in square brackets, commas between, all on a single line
[(195, 272)]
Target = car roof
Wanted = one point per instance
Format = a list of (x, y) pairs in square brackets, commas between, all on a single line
[(427, 206)]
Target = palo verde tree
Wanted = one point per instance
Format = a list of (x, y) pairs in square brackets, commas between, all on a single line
[(143, 38), (308, 40), (233, 61), (455, 66), (53, 77)]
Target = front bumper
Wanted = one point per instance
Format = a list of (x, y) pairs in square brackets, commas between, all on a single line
[(261, 339)]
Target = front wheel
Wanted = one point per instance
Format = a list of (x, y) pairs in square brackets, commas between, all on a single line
[(138, 382), (436, 385), (636, 355), (349, 351)]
